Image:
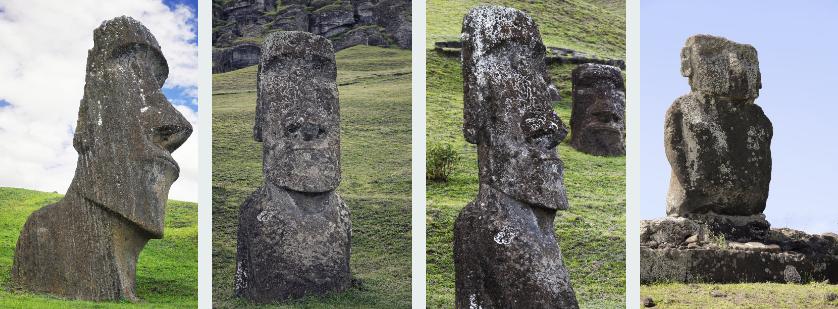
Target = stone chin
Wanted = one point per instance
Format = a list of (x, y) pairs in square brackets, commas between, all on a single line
[(534, 180), (608, 138)]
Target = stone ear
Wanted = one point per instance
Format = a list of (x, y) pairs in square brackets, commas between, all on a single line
[(686, 64)]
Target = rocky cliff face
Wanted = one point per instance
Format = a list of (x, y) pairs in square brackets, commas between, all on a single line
[(240, 25)]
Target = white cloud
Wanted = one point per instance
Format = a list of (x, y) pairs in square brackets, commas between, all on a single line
[(43, 52)]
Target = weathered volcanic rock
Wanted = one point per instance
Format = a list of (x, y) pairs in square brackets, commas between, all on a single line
[(294, 232), (236, 57), (292, 18), (716, 139), (599, 109), (370, 35), (345, 23), (729, 249), (733, 265), (505, 250), (332, 19), (86, 245)]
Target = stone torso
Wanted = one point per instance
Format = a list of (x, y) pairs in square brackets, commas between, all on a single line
[(721, 156), (295, 244), (507, 256), (79, 250)]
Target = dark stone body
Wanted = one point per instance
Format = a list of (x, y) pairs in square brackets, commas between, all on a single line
[(294, 232), (505, 250), (292, 244), (86, 246), (506, 255)]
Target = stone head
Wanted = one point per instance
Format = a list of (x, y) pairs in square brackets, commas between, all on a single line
[(126, 128), (720, 67), (297, 113), (599, 106), (507, 110)]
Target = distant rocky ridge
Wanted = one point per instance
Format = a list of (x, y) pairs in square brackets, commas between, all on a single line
[(240, 25), (555, 55)]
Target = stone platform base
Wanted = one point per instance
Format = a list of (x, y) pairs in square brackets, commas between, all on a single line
[(687, 250)]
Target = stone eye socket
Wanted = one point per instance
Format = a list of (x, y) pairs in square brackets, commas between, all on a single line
[(604, 116)]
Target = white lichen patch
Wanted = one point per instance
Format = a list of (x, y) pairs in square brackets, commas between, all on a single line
[(505, 236)]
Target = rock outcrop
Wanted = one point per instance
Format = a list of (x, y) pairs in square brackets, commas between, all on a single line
[(237, 24), (718, 144), (294, 232), (86, 246), (599, 109), (506, 254)]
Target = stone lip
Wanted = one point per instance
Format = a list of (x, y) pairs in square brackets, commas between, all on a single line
[(689, 250)]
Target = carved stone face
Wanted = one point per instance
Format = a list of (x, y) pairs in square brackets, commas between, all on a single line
[(721, 67), (127, 129), (599, 106), (297, 116), (507, 109)]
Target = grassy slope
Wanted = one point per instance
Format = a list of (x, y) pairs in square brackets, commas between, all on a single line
[(592, 232), (761, 295), (374, 85), (596, 26), (167, 272)]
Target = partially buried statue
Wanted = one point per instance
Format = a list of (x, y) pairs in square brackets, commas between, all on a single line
[(86, 245), (294, 231), (599, 108), (716, 139), (505, 250)]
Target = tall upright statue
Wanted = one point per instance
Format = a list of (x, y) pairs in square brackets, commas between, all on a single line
[(294, 231), (506, 254), (86, 245)]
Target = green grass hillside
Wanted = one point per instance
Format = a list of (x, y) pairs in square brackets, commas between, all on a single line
[(744, 295), (596, 27), (592, 232), (375, 91), (167, 271)]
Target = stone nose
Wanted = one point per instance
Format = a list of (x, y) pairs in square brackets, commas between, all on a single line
[(172, 131), (307, 131)]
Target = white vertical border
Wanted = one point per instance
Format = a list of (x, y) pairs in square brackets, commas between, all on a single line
[(205, 154), (633, 153), (418, 156)]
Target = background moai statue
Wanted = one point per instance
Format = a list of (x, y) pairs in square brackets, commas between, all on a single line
[(599, 108), (716, 139), (86, 245), (294, 232), (505, 250)]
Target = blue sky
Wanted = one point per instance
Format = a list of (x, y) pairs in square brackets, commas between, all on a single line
[(42, 74), (179, 95), (798, 56)]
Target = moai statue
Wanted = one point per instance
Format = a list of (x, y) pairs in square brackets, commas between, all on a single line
[(505, 250), (294, 231), (599, 108), (86, 245), (716, 139)]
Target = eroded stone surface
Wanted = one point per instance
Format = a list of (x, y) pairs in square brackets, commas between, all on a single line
[(294, 232), (505, 250), (86, 245), (716, 139), (599, 109), (345, 23)]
